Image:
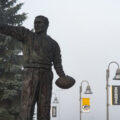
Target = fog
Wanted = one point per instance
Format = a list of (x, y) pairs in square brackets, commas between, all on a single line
[(88, 32)]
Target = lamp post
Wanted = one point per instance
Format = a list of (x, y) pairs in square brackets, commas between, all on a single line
[(55, 99), (117, 77), (54, 107), (88, 91)]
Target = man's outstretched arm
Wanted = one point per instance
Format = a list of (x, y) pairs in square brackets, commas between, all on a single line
[(57, 61), (17, 32)]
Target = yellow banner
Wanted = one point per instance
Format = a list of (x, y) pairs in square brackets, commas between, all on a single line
[(85, 104)]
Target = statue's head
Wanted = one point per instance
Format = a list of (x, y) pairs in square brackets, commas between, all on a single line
[(41, 24)]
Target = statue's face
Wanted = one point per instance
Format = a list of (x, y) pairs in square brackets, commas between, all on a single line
[(40, 25)]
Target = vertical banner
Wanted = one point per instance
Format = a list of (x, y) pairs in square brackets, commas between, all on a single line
[(86, 104), (54, 111), (115, 91)]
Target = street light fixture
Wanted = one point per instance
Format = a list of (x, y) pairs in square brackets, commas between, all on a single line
[(54, 107), (88, 91), (55, 99), (117, 77)]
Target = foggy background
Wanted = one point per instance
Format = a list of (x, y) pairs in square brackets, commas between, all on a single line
[(88, 32)]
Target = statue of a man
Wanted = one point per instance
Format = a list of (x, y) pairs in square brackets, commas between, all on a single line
[(40, 53)]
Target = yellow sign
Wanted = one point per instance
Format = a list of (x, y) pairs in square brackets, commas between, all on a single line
[(85, 104)]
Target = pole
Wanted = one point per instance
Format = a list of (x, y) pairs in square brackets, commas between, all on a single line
[(83, 81), (80, 102), (107, 88)]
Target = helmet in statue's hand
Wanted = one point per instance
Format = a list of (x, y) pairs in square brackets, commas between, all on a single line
[(65, 82)]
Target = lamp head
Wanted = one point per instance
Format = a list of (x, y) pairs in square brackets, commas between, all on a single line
[(56, 100), (88, 90), (117, 76)]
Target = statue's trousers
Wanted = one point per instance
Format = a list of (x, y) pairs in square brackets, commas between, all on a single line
[(37, 88)]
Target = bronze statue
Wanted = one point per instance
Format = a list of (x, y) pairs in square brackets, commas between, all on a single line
[(40, 53)]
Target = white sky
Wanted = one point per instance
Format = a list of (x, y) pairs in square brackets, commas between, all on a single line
[(88, 32)]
